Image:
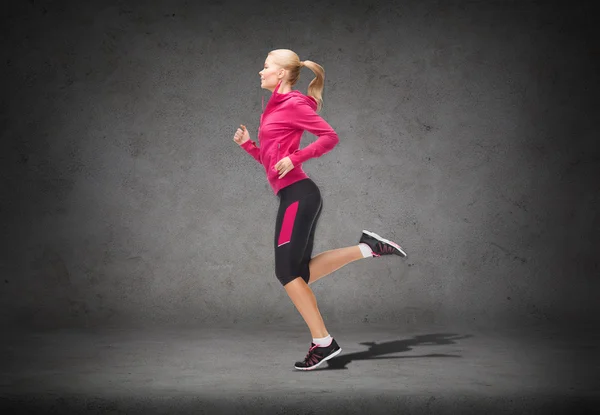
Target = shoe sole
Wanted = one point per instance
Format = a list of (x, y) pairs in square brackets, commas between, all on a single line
[(334, 354), (395, 245)]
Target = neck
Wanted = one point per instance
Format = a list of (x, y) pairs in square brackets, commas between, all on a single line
[(284, 88)]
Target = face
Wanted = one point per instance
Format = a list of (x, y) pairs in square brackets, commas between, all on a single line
[(269, 75)]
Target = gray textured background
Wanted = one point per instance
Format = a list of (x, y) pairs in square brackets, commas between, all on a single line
[(466, 132)]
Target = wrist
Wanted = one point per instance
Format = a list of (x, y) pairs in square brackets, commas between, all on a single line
[(295, 158)]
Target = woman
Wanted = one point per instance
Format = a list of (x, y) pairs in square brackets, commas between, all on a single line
[(287, 115)]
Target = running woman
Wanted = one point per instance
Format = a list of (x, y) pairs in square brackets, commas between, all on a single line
[(287, 115)]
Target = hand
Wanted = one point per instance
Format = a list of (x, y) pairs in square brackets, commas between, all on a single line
[(284, 166), (241, 135)]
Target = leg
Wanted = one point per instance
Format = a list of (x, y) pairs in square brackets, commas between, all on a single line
[(292, 260), (299, 210), (305, 301), (327, 262)]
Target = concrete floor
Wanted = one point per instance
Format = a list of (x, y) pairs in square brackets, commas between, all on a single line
[(382, 369)]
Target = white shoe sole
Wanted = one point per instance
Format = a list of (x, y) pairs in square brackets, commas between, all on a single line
[(374, 235), (334, 354)]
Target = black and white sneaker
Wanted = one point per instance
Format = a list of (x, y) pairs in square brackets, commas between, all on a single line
[(317, 355), (381, 246)]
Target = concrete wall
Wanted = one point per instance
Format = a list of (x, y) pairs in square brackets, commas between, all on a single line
[(467, 135)]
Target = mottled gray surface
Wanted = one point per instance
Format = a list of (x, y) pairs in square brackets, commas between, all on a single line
[(467, 135), (230, 369)]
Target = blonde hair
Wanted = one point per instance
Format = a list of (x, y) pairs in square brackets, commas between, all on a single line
[(290, 61)]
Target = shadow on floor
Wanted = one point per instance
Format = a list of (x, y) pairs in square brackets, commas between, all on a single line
[(396, 346)]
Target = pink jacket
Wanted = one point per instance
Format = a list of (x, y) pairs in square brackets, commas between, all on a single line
[(281, 126)]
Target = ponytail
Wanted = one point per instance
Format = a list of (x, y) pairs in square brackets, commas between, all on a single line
[(315, 88)]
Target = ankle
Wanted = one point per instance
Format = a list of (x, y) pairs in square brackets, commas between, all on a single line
[(323, 341), (366, 250)]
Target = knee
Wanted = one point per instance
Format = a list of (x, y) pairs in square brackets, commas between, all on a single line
[(290, 272), (285, 270), (286, 279), (291, 282)]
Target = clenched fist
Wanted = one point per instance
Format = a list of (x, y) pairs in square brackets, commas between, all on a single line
[(241, 135)]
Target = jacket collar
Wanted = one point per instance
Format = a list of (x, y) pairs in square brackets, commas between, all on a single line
[(277, 98)]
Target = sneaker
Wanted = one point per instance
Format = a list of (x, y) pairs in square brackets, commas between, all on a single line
[(317, 355), (381, 246)]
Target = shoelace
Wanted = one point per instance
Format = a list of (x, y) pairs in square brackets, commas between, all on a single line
[(312, 357), (386, 249)]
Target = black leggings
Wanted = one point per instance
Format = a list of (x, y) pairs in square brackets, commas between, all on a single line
[(299, 210)]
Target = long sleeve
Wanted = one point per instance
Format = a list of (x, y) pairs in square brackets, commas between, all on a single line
[(250, 147), (306, 118)]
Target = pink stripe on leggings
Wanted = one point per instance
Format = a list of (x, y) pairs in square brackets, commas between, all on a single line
[(285, 235)]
